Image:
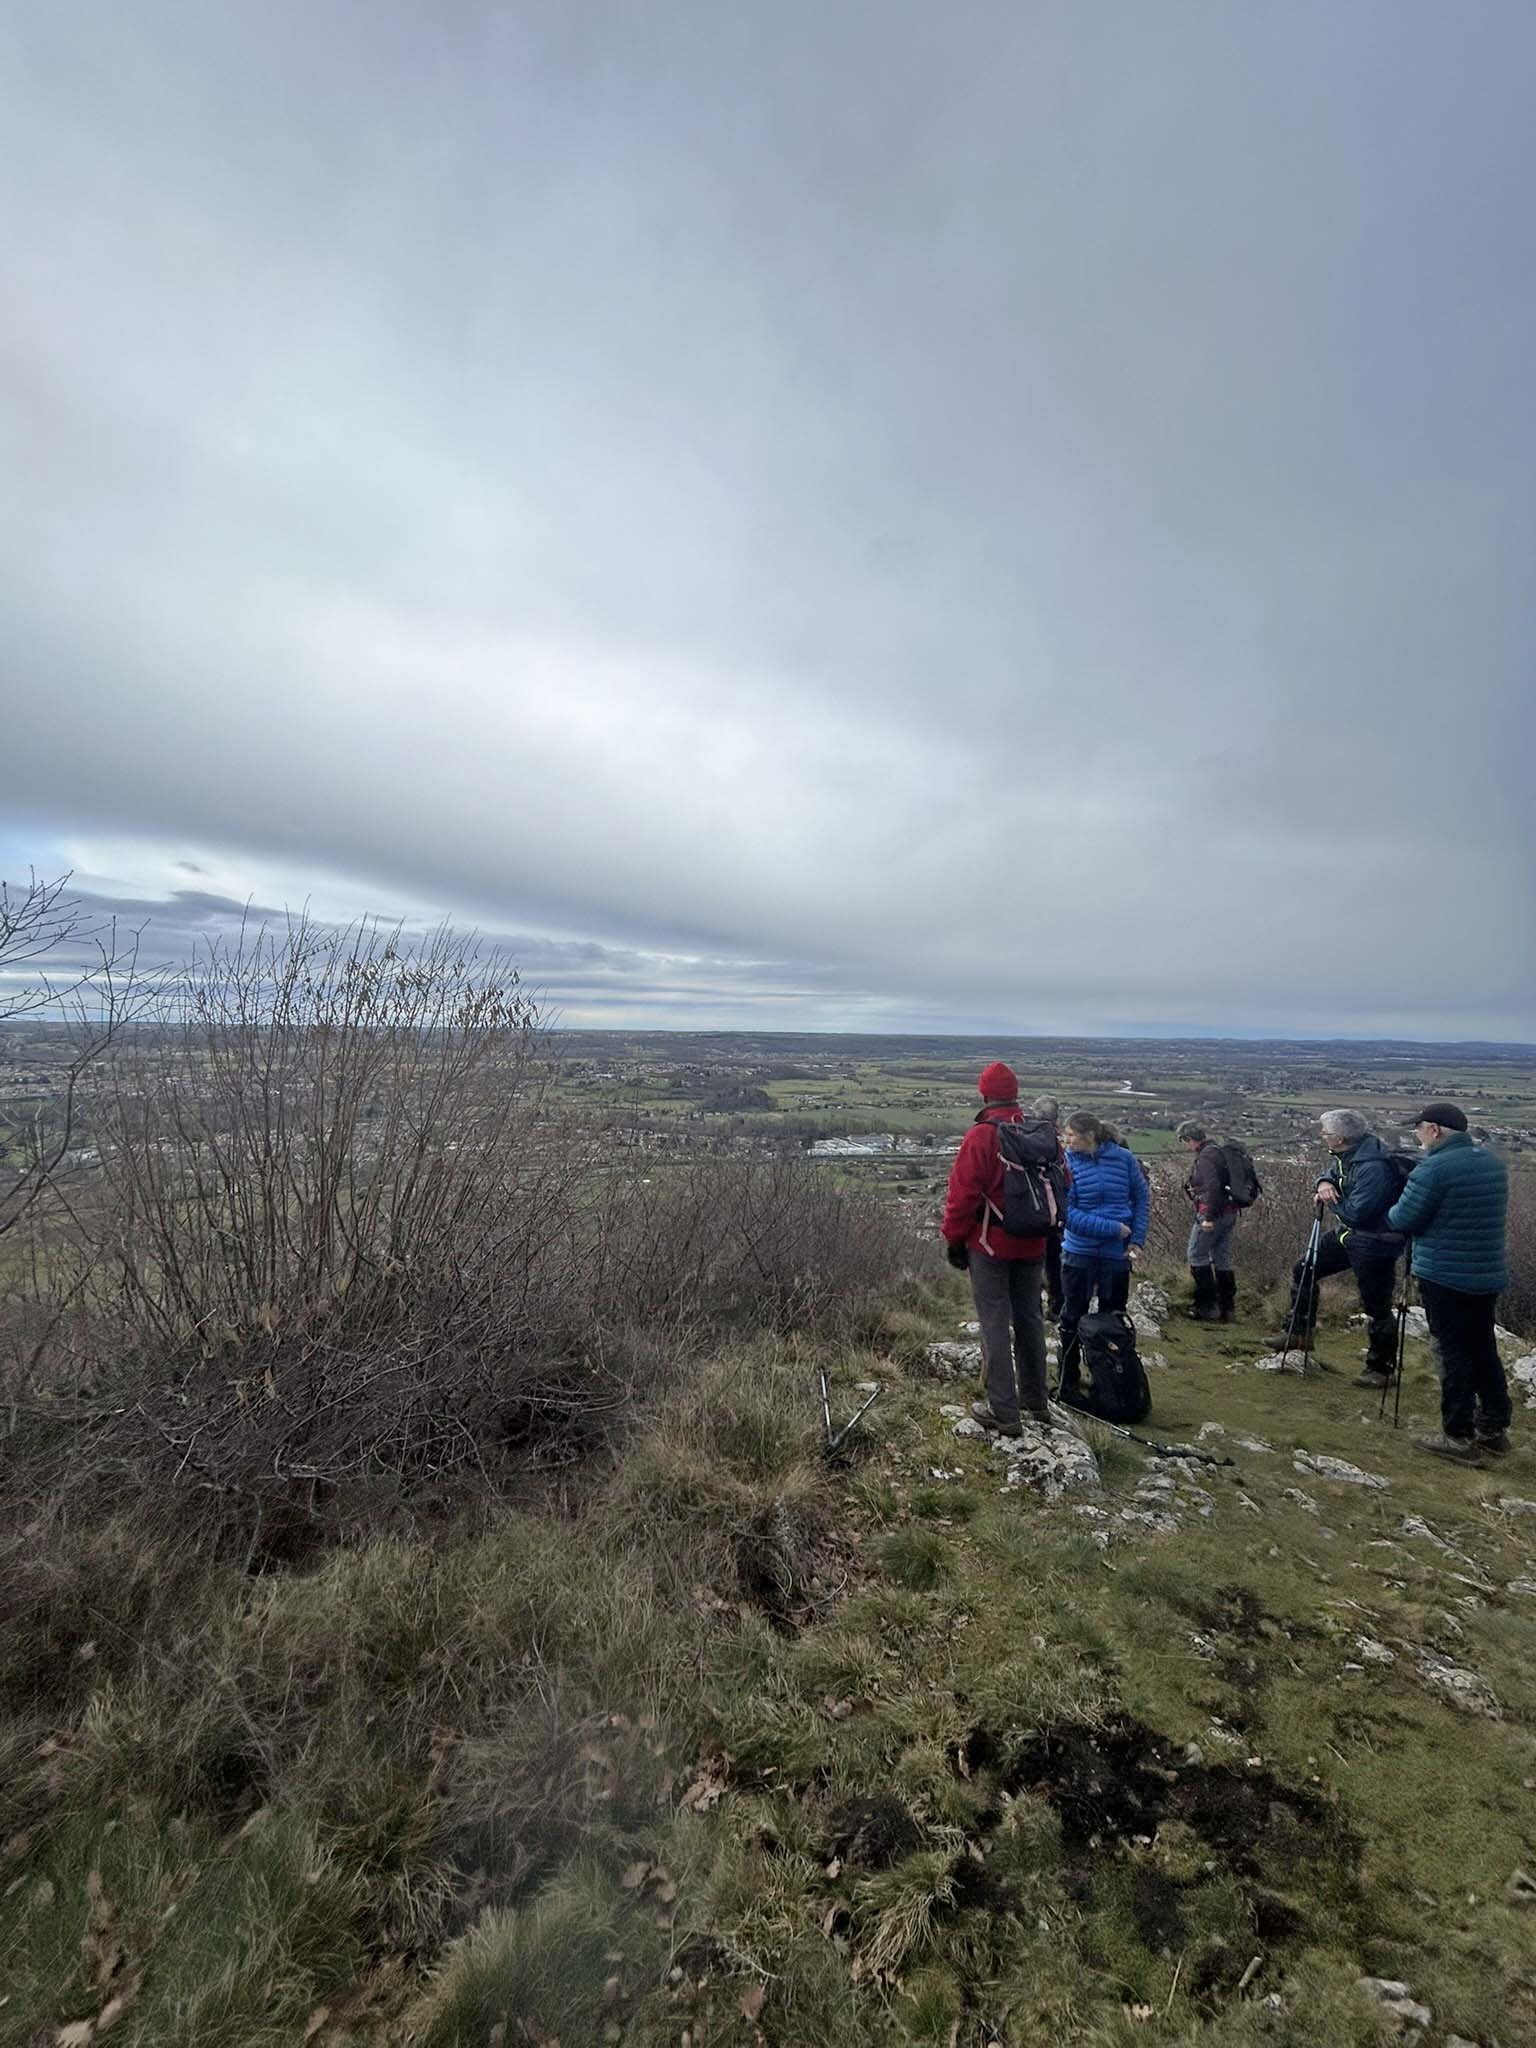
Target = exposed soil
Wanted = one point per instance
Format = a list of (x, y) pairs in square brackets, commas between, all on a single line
[(871, 1834), (1121, 1784)]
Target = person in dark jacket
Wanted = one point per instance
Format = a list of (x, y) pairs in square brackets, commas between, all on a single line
[(1005, 1271), (1211, 1233), (1356, 1192), (1048, 1110), (1454, 1208), (1108, 1208)]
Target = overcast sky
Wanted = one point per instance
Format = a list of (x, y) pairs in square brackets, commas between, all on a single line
[(798, 513)]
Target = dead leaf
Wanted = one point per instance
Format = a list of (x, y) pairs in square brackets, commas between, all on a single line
[(317, 2020), (635, 1876), (1139, 2012), (835, 1867), (497, 2037), (114, 2008), (75, 2035), (754, 2001), (708, 1788)]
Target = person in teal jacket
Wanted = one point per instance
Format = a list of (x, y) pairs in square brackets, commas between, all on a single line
[(1453, 1208)]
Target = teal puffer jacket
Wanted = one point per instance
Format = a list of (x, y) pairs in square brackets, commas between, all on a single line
[(1453, 1208)]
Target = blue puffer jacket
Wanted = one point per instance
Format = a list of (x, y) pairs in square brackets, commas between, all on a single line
[(1108, 1189), (1453, 1208)]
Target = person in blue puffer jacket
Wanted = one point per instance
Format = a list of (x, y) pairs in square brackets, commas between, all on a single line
[(1108, 1205)]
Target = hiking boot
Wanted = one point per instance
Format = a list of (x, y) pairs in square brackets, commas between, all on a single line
[(1037, 1418), (1495, 1441), (1204, 1309), (1226, 1295), (1373, 1379), (982, 1410), (1292, 1340), (1461, 1450)]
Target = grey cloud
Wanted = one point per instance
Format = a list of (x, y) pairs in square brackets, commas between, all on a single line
[(1016, 514)]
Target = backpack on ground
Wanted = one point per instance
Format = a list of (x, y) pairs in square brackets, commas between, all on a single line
[(1115, 1379), (1242, 1181), (1034, 1183)]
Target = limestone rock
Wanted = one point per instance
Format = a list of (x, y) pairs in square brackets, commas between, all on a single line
[(1374, 1652), (1464, 1689), (1325, 1467), (1151, 1299), (1393, 1996), (954, 1361), (1523, 1375), (1051, 1461), (968, 1427)]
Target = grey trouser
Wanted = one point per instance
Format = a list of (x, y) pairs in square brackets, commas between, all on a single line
[(1007, 1297), (1213, 1247)]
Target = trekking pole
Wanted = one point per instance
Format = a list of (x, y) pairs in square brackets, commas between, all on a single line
[(1402, 1334), (836, 1443), (1150, 1443), (1306, 1291), (835, 1439)]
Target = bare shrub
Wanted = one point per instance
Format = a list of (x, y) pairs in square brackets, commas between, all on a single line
[(767, 1241), (58, 960), (1518, 1306), (339, 1246)]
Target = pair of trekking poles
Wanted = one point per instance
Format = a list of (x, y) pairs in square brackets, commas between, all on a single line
[(1306, 1292)]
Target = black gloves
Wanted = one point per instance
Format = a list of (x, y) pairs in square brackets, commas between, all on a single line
[(956, 1255)]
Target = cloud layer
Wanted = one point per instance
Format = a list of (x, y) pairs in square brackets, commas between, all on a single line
[(1019, 519)]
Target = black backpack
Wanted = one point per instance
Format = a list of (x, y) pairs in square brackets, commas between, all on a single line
[(1242, 1181), (1116, 1389), (1401, 1164), (1034, 1182)]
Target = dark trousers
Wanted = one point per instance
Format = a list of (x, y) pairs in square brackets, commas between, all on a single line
[(1007, 1297), (1376, 1279), (1082, 1279), (1474, 1394), (1053, 1274)]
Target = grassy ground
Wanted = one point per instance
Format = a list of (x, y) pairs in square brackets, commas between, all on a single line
[(727, 1746)]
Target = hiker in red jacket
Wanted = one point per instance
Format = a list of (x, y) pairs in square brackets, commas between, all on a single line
[(1005, 1271)]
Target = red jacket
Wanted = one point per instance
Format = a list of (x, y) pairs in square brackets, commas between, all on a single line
[(977, 1177)]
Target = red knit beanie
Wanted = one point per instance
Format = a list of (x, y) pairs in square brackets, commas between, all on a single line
[(999, 1083)]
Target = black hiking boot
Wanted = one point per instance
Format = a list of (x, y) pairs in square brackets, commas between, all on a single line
[(1226, 1295), (1290, 1340), (982, 1410), (1204, 1309), (1374, 1377), (1494, 1441)]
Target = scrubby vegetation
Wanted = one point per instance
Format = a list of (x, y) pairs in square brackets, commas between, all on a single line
[(431, 1616)]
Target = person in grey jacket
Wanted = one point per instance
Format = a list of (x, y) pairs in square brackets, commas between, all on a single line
[(1356, 1192), (1454, 1208)]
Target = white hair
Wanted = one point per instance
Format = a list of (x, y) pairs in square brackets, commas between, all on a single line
[(1343, 1123)]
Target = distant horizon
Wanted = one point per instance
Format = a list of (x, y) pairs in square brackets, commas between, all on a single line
[(1386, 1043)]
